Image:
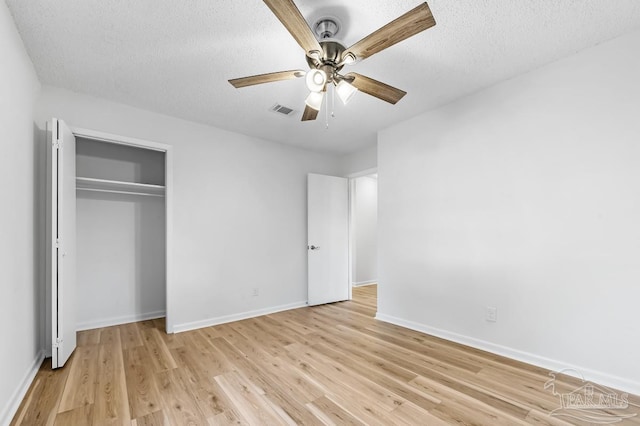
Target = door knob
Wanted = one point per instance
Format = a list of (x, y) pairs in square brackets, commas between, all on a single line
[(314, 247)]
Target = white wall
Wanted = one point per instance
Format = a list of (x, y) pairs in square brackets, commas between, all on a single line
[(121, 253), (356, 162), (526, 197), (365, 230), (239, 208), (120, 238), (20, 221)]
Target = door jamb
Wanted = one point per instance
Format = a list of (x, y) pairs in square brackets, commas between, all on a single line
[(352, 247)]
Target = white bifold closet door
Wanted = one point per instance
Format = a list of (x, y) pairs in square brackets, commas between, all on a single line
[(61, 238)]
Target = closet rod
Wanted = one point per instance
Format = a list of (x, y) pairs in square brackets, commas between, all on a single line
[(114, 191)]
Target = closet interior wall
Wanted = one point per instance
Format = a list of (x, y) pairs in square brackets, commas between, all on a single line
[(121, 234)]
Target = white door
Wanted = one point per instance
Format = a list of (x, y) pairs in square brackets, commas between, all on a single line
[(62, 237), (328, 239)]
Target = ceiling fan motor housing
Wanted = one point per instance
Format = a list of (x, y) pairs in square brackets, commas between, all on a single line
[(329, 60)]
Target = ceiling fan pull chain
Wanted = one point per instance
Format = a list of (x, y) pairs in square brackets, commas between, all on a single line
[(333, 101), (326, 116)]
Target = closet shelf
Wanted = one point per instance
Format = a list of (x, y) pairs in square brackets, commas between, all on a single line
[(118, 187)]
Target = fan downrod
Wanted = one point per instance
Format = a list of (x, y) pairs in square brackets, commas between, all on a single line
[(327, 27)]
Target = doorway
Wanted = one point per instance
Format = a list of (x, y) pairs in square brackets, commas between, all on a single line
[(363, 229), (148, 152)]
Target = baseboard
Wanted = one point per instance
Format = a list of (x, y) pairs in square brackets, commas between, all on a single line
[(11, 408), (179, 328), (108, 322), (364, 283), (599, 377)]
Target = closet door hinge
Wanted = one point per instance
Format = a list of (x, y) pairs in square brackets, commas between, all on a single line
[(57, 144), (58, 342), (58, 243)]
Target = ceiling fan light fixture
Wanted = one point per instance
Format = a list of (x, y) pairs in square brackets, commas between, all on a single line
[(316, 79), (314, 100), (348, 59), (345, 91)]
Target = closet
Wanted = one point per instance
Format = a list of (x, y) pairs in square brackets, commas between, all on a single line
[(120, 239), (108, 232)]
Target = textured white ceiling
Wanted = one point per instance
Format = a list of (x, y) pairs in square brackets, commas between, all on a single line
[(175, 57)]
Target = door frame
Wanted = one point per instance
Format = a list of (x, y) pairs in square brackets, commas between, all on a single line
[(168, 177), (352, 203)]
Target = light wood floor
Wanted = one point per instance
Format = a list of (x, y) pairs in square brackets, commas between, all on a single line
[(331, 364)]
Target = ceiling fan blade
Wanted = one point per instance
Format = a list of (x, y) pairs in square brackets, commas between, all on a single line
[(409, 24), (287, 12), (266, 78), (309, 113), (375, 88)]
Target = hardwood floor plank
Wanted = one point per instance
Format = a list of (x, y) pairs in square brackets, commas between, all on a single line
[(78, 416), (398, 387), (214, 401), (418, 348), (111, 404), (468, 408), (367, 356), (142, 391), (179, 403), (249, 401), (241, 344), (544, 419), (292, 382), (171, 341), (410, 414), (290, 324), (83, 372), (130, 336), (229, 417), (331, 414), (110, 335), (310, 319), (450, 389), (157, 418), (201, 379), (88, 337), (369, 402), (249, 331), (419, 364), (196, 341), (289, 396), (363, 385), (209, 332), (273, 329), (159, 353)]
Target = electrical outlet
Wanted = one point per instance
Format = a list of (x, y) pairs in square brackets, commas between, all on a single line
[(255, 292), (491, 314)]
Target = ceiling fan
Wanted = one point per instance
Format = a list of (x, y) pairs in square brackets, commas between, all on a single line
[(327, 57)]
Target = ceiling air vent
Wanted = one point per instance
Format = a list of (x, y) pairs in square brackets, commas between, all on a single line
[(281, 109)]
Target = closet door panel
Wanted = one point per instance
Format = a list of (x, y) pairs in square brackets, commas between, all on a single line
[(62, 165)]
